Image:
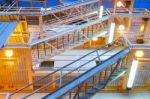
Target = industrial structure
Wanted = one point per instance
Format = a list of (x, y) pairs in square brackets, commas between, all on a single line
[(73, 49)]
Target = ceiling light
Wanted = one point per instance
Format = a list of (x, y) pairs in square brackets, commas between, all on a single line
[(119, 4), (139, 53), (95, 38), (9, 53), (121, 27)]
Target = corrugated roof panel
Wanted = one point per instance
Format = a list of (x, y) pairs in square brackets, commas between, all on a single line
[(6, 28)]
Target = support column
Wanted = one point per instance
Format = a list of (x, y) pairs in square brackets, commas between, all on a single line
[(129, 24), (146, 31), (29, 67)]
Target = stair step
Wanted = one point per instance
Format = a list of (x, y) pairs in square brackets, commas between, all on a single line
[(92, 91), (103, 82), (86, 96), (99, 86)]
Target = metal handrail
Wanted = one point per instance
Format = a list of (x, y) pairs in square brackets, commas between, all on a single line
[(91, 22), (58, 70), (125, 10), (38, 37), (68, 73), (43, 11)]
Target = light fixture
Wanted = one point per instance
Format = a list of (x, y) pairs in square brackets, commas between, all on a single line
[(101, 11), (111, 33), (142, 28), (139, 53), (121, 27), (9, 53), (132, 73), (95, 38), (119, 4)]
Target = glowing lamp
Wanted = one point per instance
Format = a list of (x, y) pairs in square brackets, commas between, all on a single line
[(119, 4), (95, 38), (121, 27), (139, 53), (9, 53)]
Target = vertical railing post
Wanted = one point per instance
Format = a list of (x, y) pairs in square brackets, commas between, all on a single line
[(93, 29), (78, 36), (38, 51), (73, 37), (44, 48), (98, 56), (88, 32), (60, 80), (57, 42), (68, 39), (70, 95), (63, 42)]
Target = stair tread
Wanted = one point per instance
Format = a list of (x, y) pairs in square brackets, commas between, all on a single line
[(93, 90)]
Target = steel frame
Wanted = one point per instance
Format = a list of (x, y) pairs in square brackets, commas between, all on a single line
[(59, 44), (36, 11), (130, 40), (95, 69)]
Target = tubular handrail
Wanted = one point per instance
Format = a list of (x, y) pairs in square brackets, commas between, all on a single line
[(44, 11), (71, 29), (68, 73), (80, 79), (127, 11), (50, 74)]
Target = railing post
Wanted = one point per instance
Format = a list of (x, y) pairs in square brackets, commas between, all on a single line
[(70, 95), (63, 42), (68, 39), (98, 56), (8, 96), (78, 36), (60, 80)]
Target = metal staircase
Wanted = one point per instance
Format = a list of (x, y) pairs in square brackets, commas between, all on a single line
[(43, 11), (57, 43), (116, 73), (104, 68), (72, 30), (72, 35)]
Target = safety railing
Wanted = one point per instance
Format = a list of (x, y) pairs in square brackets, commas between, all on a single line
[(59, 44), (41, 11), (126, 12), (93, 84), (58, 81), (137, 41), (70, 23)]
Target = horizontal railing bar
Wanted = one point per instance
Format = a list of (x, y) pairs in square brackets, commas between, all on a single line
[(77, 81), (53, 72), (69, 72)]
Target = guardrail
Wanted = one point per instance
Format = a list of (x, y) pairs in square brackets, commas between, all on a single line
[(42, 11), (59, 79), (131, 39)]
